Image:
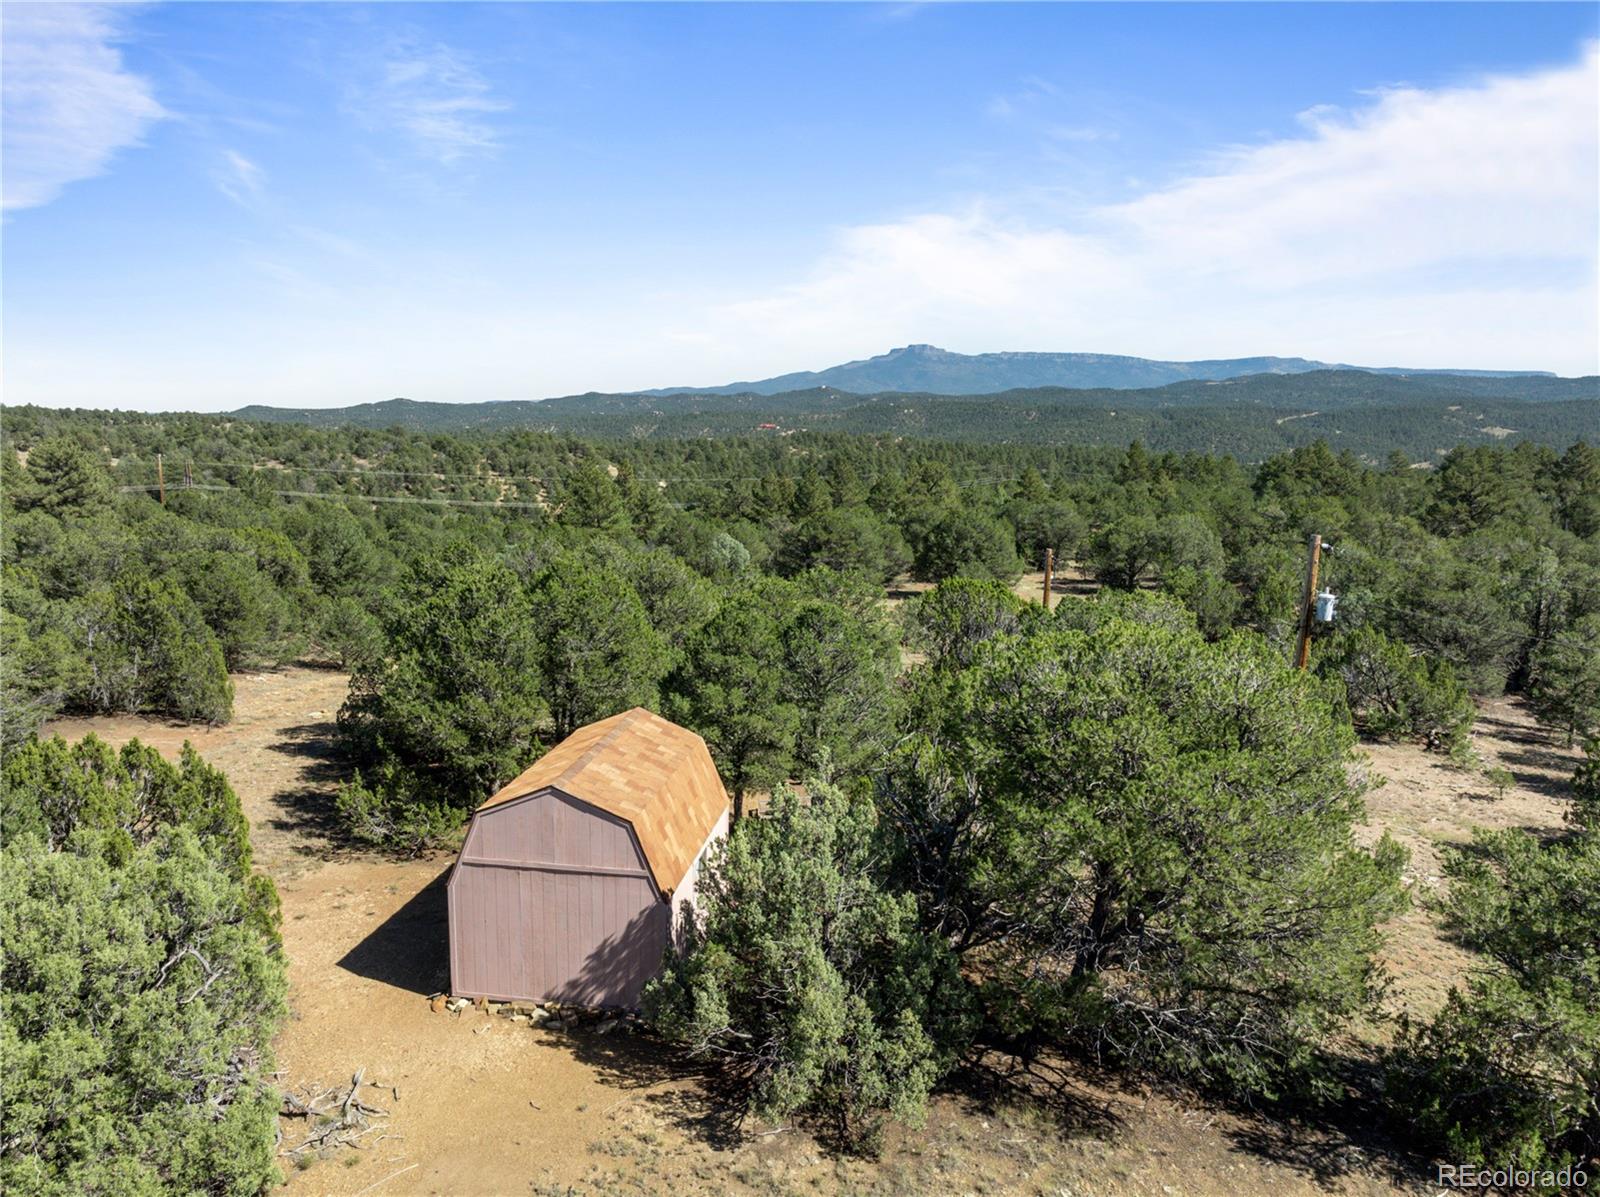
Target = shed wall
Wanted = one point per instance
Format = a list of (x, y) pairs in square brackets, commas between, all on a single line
[(551, 827), (552, 901), (689, 888)]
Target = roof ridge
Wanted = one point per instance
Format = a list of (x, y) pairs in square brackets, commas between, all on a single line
[(623, 719), (640, 767)]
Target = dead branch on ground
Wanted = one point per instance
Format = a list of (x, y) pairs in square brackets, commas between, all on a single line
[(335, 1117)]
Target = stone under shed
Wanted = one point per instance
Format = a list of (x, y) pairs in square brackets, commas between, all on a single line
[(568, 885)]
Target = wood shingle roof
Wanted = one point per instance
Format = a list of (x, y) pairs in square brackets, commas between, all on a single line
[(640, 767)]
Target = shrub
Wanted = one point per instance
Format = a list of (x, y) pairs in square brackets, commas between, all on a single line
[(1048, 525), (457, 699), (349, 634), (595, 647), (1144, 841), (1565, 688), (965, 543), (392, 816), (845, 539), (1125, 550), (53, 789), (252, 619), (141, 978), (949, 622), (37, 672), (807, 976), (145, 647), (1394, 694), (731, 689), (1508, 1073)]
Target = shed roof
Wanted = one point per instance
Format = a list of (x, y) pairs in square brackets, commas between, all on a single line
[(640, 767)]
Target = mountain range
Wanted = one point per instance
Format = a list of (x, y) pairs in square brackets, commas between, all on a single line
[(1253, 416), (929, 370)]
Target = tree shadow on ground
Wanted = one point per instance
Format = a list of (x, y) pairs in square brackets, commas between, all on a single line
[(902, 589), (411, 948), (309, 808), (1344, 1138), (707, 1105), (1331, 1149), (1532, 769), (1512, 731), (1082, 586), (1348, 1138), (994, 1080)]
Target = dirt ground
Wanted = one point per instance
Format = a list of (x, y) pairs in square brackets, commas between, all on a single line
[(1070, 579), (1426, 803), (484, 1106)]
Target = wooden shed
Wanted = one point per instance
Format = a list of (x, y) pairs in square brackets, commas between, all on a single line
[(571, 877)]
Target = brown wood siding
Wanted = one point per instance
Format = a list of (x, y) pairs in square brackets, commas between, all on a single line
[(552, 901), (551, 827), (643, 769)]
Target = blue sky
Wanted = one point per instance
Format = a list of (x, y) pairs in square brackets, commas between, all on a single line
[(215, 204)]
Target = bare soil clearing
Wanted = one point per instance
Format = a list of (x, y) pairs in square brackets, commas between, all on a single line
[(483, 1105), (1426, 803)]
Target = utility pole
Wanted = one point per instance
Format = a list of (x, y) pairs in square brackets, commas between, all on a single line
[(1308, 597), (161, 481), (188, 474), (1049, 575)]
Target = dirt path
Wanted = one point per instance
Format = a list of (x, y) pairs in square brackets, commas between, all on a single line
[(487, 1106), (277, 753)]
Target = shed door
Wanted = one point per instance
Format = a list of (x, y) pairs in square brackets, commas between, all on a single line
[(552, 901), (546, 935)]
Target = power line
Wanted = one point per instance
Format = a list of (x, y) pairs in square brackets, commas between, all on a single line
[(489, 476), (336, 496), (340, 496)]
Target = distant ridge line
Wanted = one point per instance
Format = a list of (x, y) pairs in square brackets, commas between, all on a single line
[(927, 369)]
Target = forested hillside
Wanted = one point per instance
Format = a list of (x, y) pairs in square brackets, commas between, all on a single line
[(277, 540), (1122, 829), (1369, 414)]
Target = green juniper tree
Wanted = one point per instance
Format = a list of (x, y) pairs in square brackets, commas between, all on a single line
[(595, 647), (1394, 693), (731, 689), (145, 647), (809, 978), (1566, 678), (450, 708), (838, 668), (963, 542), (142, 981), (1146, 839)]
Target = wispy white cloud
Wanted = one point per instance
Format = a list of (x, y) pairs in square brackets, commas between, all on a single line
[(69, 102), (1079, 133), (1029, 93), (433, 96), (889, 14), (238, 178), (1452, 226), (1054, 115)]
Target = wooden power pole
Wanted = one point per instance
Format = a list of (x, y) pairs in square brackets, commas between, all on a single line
[(1049, 575), (161, 481), (1308, 598)]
